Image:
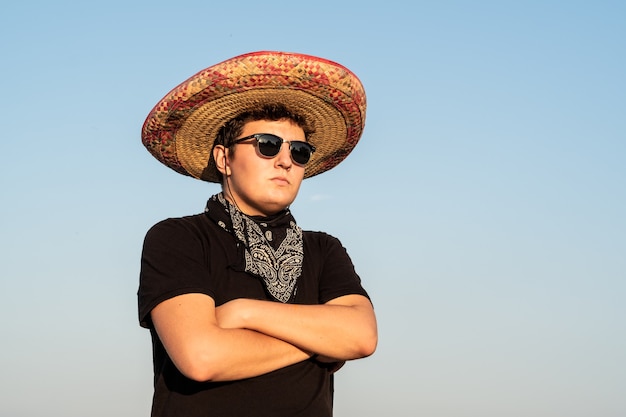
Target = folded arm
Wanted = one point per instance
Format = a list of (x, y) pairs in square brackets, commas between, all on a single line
[(342, 329), (203, 351)]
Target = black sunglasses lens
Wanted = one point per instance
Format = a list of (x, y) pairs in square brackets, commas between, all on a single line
[(269, 145), (300, 152)]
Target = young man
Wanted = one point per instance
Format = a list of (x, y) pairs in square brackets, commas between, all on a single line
[(250, 315)]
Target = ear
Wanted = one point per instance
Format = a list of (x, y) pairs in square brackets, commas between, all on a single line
[(220, 155)]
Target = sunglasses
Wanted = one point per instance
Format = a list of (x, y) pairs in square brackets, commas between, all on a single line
[(269, 145)]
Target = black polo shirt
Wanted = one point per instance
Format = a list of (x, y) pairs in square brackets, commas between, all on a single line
[(194, 255)]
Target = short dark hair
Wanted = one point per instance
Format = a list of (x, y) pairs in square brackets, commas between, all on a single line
[(273, 112)]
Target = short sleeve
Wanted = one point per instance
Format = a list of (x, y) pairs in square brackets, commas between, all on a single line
[(173, 262), (338, 276)]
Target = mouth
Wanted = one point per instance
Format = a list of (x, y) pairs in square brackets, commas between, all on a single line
[(280, 180)]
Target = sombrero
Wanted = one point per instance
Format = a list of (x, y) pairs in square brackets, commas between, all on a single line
[(181, 129)]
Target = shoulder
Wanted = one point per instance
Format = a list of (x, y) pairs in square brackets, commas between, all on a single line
[(316, 236), (184, 221), (188, 227), (167, 226), (321, 241)]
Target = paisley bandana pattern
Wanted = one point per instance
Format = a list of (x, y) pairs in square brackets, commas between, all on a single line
[(273, 249)]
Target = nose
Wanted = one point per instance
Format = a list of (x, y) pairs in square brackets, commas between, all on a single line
[(283, 159)]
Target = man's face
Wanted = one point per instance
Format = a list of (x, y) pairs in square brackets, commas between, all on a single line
[(259, 185)]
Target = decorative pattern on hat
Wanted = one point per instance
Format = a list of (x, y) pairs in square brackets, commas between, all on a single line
[(181, 129)]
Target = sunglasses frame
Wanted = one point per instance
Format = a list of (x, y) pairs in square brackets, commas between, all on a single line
[(257, 137)]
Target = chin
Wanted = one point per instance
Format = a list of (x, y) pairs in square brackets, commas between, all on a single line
[(280, 199), (273, 207)]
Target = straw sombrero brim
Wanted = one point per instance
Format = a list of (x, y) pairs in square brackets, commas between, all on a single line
[(181, 129)]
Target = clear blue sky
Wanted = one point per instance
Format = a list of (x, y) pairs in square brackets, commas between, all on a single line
[(484, 207)]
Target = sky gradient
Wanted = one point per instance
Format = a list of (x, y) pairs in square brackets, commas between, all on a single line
[(483, 208)]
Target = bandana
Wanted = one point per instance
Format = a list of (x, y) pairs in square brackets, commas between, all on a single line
[(272, 246)]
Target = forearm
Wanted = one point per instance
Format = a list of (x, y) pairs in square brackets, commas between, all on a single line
[(203, 350), (242, 353), (342, 329)]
